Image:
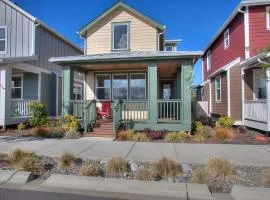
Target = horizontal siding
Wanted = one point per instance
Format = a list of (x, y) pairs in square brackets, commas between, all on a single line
[(236, 97)]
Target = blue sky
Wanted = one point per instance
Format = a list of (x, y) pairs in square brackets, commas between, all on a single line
[(193, 21)]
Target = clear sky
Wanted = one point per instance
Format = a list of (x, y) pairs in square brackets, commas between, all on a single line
[(193, 21)]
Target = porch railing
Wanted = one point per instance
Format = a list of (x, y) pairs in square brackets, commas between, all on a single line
[(21, 108), (169, 110), (134, 110), (256, 110)]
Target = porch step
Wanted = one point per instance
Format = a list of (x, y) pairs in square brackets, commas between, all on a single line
[(104, 128)]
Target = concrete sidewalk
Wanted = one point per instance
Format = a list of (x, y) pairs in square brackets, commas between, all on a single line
[(255, 155)]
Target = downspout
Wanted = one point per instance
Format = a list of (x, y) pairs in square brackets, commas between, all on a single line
[(159, 34)]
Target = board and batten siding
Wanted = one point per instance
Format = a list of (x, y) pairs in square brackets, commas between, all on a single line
[(143, 36), (19, 32)]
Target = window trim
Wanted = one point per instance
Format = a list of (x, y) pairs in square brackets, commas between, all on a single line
[(103, 87), (227, 33), (115, 74), (128, 35), (208, 60), (5, 51), (216, 89), (268, 18), (21, 76), (145, 93)]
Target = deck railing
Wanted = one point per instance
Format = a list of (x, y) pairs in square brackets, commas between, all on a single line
[(134, 110), (256, 110), (21, 108), (169, 110)]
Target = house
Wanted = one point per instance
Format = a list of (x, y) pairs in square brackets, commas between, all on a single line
[(125, 63), (234, 82), (26, 75)]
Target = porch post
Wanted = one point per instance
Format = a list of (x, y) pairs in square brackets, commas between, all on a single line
[(186, 81), (268, 104), (152, 94), (67, 85)]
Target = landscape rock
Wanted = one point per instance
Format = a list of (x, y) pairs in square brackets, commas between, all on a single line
[(133, 165)]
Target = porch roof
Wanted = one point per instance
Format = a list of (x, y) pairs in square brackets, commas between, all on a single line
[(255, 60), (124, 56), (17, 59)]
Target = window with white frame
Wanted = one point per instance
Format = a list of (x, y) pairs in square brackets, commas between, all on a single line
[(103, 86), (120, 36), (218, 88), (227, 39), (77, 92), (268, 18), (17, 87), (3, 39), (138, 86), (169, 48), (208, 60), (259, 84), (120, 86)]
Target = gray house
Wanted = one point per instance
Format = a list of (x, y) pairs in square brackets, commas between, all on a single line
[(26, 76)]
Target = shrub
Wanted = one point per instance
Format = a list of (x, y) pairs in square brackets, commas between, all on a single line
[(125, 135), (144, 175), (67, 160), (197, 127), (199, 176), (155, 135), (40, 115), (266, 177), (140, 137), (87, 170), (16, 156), (219, 167), (70, 122), (225, 122), (199, 138), (21, 126), (31, 163), (42, 132), (223, 134), (165, 168), (176, 137), (57, 132), (208, 132), (72, 133), (116, 167)]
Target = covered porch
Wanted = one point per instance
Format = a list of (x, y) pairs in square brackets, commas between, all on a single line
[(145, 92)]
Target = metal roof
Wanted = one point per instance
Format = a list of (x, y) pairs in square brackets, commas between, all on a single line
[(126, 56), (17, 59)]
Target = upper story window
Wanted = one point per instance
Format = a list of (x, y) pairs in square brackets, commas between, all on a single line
[(208, 60), (3, 39), (218, 89), (268, 18), (226, 39), (120, 36)]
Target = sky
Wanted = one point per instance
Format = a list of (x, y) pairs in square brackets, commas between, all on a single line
[(193, 21)]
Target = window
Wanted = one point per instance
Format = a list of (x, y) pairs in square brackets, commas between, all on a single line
[(120, 36), (120, 86), (16, 86), (218, 88), (103, 87), (77, 92), (259, 84), (169, 48), (208, 60), (137, 86), (268, 18), (226, 39), (3, 39)]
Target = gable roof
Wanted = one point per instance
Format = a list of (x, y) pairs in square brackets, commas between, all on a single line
[(242, 4), (114, 7), (37, 21)]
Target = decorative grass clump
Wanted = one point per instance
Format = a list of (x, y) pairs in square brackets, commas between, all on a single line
[(72, 133), (165, 168), (144, 175), (125, 135), (87, 170), (31, 163), (140, 137), (199, 138), (116, 167), (222, 134), (43, 132), (266, 177), (16, 156), (176, 137), (219, 167), (67, 160)]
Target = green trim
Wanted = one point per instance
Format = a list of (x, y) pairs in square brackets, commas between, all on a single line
[(162, 126), (67, 87), (152, 94)]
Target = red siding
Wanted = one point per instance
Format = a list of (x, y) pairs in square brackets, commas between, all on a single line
[(258, 34), (221, 56)]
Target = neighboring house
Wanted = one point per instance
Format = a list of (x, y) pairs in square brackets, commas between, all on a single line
[(125, 63), (171, 45), (26, 75), (232, 54)]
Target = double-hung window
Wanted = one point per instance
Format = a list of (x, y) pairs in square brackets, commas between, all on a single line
[(268, 18), (218, 89), (226, 39), (120, 86), (138, 86), (208, 60), (103, 86), (77, 92), (3, 39), (120, 36), (16, 87)]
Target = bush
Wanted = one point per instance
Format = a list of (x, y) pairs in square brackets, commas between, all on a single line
[(197, 127), (43, 132), (125, 135), (199, 176), (219, 167), (21, 126), (57, 132), (140, 137), (31, 163), (199, 138), (17, 156), (208, 132), (73, 133), (223, 134), (67, 161), (144, 175), (225, 122), (165, 168), (266, 177), (40, 115), (116, 167), (87, 170), (70, 122), (176, 137), (155, 135)]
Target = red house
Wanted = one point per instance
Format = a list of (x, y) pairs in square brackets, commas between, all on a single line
[(234, 82)]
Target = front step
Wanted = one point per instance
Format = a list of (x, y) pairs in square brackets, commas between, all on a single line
[(104, 128)]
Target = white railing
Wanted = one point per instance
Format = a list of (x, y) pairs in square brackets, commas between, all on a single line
[(169, 110), (256, 110), (20, 108)]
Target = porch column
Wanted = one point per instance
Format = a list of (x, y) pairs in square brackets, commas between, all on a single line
[(268, 105), (67, 85), (186, 81), (152, 94)]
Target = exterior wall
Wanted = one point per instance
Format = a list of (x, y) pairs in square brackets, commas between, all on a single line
[(143, 36), (220, 56), (30, 86), (205, 95), (248, 84), (19, 32), (220, 108), (90, 86), (259, 35)]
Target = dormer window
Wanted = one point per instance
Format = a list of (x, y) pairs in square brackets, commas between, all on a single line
[(226, 39), (169, 48), (120, 36)]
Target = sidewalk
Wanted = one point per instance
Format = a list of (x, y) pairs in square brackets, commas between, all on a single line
[(253, 155)]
